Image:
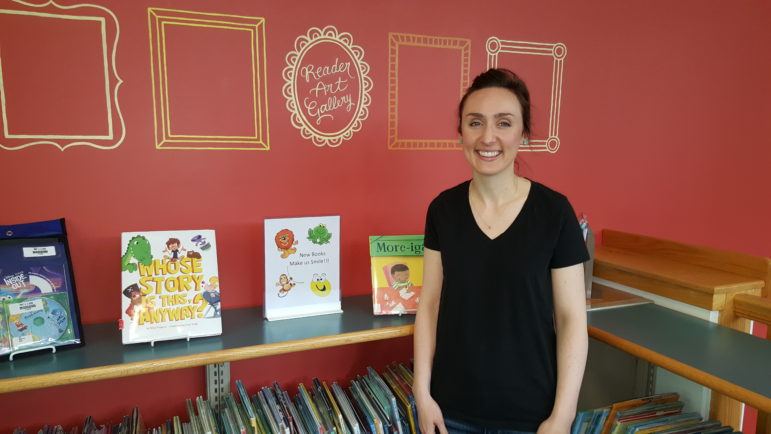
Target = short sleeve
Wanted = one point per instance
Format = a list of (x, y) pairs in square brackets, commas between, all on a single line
[(431, 238), (571, 247)]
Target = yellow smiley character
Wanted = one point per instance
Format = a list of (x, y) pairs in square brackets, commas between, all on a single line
[(320, 285)]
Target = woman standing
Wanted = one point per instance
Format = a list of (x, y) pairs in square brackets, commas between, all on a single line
[(500, 334)]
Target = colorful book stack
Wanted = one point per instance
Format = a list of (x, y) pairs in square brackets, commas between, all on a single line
[(661, 414), (373, 403)]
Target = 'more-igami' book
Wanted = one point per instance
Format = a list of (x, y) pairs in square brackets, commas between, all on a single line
[(397, 273), (170, 285)]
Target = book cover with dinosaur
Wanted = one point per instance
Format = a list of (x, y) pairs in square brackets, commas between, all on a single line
[(170, 285), (397, 273), (302, 267)]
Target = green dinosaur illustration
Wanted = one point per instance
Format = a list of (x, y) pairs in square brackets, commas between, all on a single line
[(138, 248), (319, 235)]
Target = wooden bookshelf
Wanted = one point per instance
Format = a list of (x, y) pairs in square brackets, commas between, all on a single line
[(700, 276)]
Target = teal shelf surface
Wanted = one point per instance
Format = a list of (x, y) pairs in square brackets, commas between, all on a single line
[(725, 354), (245, 334)]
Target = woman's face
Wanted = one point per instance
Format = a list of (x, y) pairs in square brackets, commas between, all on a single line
[(491, 129)]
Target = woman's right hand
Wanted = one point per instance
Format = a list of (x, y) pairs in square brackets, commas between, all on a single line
[(430, 416)]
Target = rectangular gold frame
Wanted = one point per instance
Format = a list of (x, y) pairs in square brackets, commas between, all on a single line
[(395, 40), (164, 138), (557, 52), (108, 99)]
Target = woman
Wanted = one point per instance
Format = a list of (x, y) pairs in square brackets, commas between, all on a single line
[(500, 334)]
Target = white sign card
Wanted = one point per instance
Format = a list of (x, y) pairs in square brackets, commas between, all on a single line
[(302, 267)]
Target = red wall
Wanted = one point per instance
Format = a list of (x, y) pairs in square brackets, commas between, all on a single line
[(663, 131)]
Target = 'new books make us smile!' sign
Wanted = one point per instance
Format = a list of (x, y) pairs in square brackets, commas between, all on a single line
[(302, 267)]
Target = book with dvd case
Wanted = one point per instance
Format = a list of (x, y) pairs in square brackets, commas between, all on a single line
[(170, 286), (396, 265), (38, 321), (38, 301)]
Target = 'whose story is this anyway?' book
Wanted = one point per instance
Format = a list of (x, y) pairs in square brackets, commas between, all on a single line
[(397, 273), (170, 285)]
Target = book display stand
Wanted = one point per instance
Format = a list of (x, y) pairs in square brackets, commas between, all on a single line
[(32, 350)]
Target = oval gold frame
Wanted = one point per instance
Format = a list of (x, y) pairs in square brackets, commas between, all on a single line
[(303, 44)]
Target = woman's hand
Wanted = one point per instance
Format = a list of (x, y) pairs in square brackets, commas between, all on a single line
[(554, 425), (430, 416)]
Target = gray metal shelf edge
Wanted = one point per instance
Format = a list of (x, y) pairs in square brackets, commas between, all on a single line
[(730, 355)]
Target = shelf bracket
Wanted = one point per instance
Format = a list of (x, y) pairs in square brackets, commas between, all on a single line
[(217, 383)]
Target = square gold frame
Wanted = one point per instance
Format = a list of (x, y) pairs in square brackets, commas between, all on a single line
[(164, 139), (557, 52), (395, 40)]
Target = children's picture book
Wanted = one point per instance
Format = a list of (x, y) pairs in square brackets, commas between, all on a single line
[(170, 286), (38, 303), (397, 273), (302, 267)]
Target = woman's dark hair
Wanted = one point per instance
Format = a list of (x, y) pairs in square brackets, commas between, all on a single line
[(505, 79)]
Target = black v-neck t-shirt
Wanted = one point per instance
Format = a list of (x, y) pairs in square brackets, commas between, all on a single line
[(495, 363)]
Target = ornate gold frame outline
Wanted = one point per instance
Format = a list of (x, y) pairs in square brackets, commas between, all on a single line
[(395, 40), (158, 18), (107, 68), (558, 52), (302, 45)]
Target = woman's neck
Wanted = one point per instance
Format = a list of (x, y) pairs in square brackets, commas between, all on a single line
[(498, 189)]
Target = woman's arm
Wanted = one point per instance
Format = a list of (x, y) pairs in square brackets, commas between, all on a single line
[(429, 413), (572, 344)]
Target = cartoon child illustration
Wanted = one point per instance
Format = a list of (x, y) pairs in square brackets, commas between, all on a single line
[(285, 283), (285, 242), (401, 276), (212, 296), (173, 247), (138, 302)]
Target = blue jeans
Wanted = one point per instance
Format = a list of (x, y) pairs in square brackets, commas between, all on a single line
[(457, 427)]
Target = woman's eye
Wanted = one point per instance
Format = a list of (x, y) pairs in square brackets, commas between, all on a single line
[(504, 124), (475, 123)]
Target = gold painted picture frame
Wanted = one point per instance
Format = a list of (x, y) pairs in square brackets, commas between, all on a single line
[(396, 40), (495, 47), (303, 44), (158, 19), (109, 34)]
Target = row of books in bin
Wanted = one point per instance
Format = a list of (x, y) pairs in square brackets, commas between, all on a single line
[(375, 403), (660, 414)]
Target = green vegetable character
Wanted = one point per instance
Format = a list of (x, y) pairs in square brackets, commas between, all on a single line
[(319, 235), (138, 248)]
